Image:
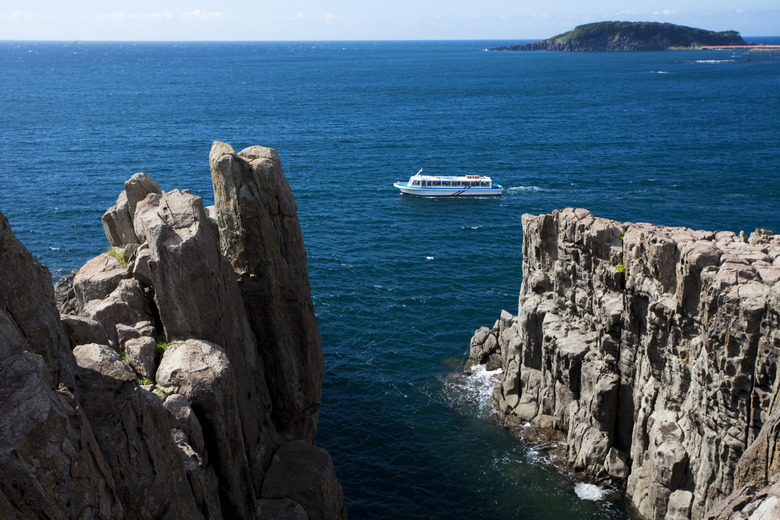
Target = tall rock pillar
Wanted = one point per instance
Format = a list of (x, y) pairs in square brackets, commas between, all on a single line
[(260, 234)]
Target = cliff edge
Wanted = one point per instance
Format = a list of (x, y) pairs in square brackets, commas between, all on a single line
[(630, 36), (655, 350), (182, 376)]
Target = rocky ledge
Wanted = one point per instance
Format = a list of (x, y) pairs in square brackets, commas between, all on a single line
[(181, 376), (655, 351)]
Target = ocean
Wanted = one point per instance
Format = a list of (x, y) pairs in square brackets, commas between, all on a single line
[(680, 138)]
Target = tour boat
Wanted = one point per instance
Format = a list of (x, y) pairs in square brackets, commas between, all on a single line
[(449, 186)]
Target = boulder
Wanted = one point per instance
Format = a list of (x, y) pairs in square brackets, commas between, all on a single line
[(140, 353), (118, 219), (202, 372), (304, 473), (97, 279), (82, 330)]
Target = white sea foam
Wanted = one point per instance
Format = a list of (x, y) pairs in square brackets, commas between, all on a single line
[(714, 61), (590, 491), (522, 188), (429, 258), (471, 391), (480, 384)]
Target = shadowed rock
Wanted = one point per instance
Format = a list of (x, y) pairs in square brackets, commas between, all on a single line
[(260, 234)]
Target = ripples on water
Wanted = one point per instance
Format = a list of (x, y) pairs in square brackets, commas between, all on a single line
[(400, 284)]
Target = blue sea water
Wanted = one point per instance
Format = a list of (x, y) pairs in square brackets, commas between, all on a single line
[(684, 138)]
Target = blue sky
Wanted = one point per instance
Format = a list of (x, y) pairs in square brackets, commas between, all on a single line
[(362, 19)]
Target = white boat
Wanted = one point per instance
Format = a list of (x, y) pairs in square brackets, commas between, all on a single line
[(449, 186)]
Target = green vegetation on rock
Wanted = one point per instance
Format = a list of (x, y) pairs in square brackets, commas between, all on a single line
[(631, 36)]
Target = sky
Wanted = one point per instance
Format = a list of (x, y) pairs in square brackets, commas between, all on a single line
[(261, 20)]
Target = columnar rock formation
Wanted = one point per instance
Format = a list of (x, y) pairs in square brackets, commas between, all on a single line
[(655, 350), (183, 378)]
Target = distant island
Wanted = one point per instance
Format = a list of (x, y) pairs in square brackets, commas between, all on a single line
[(630, 36)]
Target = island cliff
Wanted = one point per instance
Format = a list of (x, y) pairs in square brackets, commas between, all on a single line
[(182, 376), (630, 36), (655, 351)]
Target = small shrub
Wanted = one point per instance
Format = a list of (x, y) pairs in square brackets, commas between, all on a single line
[(620, 268), (119, 254), (161, 348), (622, 236), (144, 381)]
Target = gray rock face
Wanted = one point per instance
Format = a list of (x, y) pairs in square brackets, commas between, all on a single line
[(47, 449), (107, 424), (260, 234), (118, 220), (654, 349)]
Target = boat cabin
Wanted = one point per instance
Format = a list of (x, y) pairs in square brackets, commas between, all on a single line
[(429, 181)]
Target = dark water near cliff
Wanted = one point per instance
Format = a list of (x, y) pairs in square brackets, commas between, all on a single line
[(400, 284)]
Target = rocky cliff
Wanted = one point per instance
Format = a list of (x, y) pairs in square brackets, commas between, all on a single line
[(182, 378), (630, 36), (655, 350)]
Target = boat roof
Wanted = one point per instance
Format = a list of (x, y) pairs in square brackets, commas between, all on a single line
[(450, 177)]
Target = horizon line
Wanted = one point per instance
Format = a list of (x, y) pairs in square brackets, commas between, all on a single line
[(87, 40)]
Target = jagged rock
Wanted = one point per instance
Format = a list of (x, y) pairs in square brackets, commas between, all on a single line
[(47, 449), (137, 188), (82, 330), (65, 295), (749, 503), (132, 429), (84, 440), (140, 354), (125, 332), (197, 296), (202, 372), (656, 349), (259, 232), (27, 297), (282, 509), (118, 224), (118, 219), (484, 349), (97, 279), (126, 305), (305, 474), (179, 407)]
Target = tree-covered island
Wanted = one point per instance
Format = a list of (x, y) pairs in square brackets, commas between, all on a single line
[(630, 36)]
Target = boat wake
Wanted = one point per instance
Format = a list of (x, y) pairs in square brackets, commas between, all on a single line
[(523, 188)]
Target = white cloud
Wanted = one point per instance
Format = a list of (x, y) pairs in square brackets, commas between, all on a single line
[(665, 12), (19, 16), (122, 16), (199, 14)]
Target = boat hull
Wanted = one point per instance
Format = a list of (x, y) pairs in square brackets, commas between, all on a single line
[(472, 191)]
